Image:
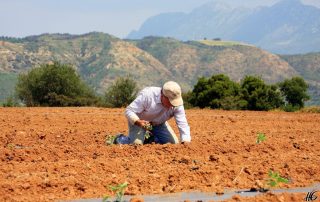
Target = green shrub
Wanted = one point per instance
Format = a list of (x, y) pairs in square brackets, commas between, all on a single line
[(290, 108), (186, 100), (217, 92), (54, 85), (220, 92), (121, 93), (259, 95), (295, 92)]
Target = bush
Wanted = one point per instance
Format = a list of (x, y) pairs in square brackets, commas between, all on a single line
[(220, 92), (259, 95), (290, 108), (122, 92), (217, 92), (295, 92), (186, 100), (54, 85)]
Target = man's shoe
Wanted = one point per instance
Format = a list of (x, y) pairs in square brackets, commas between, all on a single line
[(115, 139), (120, 139)]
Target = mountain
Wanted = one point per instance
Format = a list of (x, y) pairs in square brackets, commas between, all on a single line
[(101, 58), (287, 27), (212, 20)]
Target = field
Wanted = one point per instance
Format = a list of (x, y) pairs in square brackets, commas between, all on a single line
[(222, 43), (60, 153)]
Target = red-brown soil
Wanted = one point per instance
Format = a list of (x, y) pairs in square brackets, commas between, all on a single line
[(60, 153)]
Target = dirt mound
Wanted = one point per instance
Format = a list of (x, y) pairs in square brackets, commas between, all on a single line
[(60, 153)]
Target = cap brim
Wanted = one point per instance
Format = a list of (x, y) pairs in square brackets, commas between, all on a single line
[(176, 102)]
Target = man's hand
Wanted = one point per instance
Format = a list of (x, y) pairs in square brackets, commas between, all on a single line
[(142, 123)]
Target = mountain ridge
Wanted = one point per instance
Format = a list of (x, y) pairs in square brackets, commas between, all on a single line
[(287, 27)]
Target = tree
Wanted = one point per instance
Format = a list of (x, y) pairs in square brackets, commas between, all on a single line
[(122, 92), (217, 92), (259, 95), (54, 85), (295, 91)]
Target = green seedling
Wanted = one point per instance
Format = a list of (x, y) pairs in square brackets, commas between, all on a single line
[(275, 179), (110, 139), (148, 129), (260, 138), (118, 190)]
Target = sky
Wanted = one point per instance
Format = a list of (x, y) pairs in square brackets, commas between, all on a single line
[(20, 18)]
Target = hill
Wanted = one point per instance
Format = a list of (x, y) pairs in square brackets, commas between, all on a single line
[(100, 58), (308, 66), (190, 60), (288, 27)]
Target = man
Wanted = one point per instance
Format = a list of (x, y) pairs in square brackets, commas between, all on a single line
[(150, 111)]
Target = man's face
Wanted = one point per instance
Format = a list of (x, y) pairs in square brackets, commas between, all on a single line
[(165, 101)]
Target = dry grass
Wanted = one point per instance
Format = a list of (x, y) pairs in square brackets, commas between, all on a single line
[(311, 109)]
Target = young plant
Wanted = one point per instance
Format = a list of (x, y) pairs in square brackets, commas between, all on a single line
[(148, 129), (118, 190), (109, 140), (260, 138), (275, 179)]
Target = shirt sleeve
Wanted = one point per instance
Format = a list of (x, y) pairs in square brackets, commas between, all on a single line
[(182, 123), (136, 107)]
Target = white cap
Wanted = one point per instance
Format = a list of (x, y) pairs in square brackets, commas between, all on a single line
[(172, 91)]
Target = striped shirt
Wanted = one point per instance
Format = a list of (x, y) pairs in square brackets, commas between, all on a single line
[(147, 106)]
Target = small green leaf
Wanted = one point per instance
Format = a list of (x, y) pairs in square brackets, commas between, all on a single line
[(284, 180), (275, 178), (272, 183), (260, 138), (119, 190)]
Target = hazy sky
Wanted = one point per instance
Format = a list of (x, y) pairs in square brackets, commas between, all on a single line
[(20, 18)]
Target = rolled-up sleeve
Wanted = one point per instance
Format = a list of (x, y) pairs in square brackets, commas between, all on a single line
[(182, 123), (135, 107)]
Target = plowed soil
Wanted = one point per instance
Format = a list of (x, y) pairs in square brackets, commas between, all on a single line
[(60, 153)]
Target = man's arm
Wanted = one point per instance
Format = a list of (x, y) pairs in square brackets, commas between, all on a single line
[(182, 123), (135, 107)]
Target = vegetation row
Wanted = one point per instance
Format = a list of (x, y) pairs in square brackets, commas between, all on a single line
[(59, 85)]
